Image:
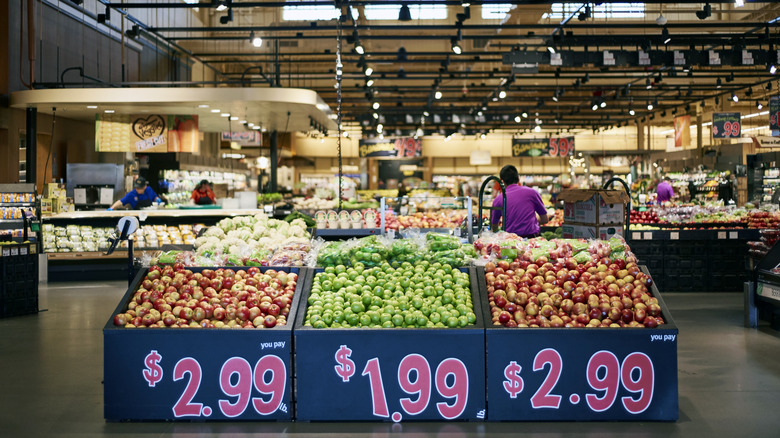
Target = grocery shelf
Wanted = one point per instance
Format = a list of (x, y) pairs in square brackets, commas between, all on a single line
[(345, 232), (158, 213), (11, 224), (17, 204)]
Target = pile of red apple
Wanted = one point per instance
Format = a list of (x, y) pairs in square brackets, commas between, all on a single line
[(567, 294), (173, 296), (763, 219), (644, 217), (440, 219)]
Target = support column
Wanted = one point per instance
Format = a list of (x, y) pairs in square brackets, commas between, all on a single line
[(274, 159), (31, 145), (699, 135)]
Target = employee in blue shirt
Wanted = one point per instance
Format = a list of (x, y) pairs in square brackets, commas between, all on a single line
[(141, 196)]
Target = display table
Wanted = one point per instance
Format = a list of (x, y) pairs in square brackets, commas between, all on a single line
[(694, 260)]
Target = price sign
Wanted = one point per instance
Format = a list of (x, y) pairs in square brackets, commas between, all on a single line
[(582, 374), (774, 114), (192, 374), (390, 375), (726, 125), (543, 147)]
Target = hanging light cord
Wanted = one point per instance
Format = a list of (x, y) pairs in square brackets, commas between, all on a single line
[(338, 102)]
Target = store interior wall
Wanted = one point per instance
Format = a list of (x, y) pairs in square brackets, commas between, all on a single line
[(63, 41)]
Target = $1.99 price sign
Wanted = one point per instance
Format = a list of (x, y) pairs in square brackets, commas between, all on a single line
[(415, 378), (402, 377), (175, 382), (587, 380)]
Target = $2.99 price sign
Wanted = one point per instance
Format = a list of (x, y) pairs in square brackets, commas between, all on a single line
[(630, 376), (237, 378), (237, 381)]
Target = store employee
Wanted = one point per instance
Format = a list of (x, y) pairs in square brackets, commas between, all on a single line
[(141, 196), (203, 195), (523, 204)]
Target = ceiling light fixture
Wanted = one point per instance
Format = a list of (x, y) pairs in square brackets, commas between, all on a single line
[(631, 111), (92, 106), (661, 20), (525, 115), (358, 47), (375, 115), (734, 97), (649, 106), (426, 113), (705, 12), (404, 14), (772, 69), (585, 14), (517, 119), (502, 94), (759, 105), (455, 46), (718, 83), (603, 104), (369, 82), (537, 128), (595, 106), (221, 5), (437, 95), (368, 71), (739, 3), (227, 18), (375, 105), (255, 40), (665, 34)]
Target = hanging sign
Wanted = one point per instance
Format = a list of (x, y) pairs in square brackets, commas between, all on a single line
[(245, 138), (774, 114), (682, 131), (543, 147), (400, 147), (767, 142), (726, 125), (146, 133)]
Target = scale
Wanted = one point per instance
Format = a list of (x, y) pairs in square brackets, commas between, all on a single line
[(126, 226)]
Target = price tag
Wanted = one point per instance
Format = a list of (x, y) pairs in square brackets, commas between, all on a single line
[(733, 235), (23, 250), (6, 252), (456, 232), (636, 235), (575, 376), (14, 251), (674, 235), (726, 125), (390, 375), (391, 234), (768, 291), (648, 235), (142, 215), (721, 235), (163, 374)]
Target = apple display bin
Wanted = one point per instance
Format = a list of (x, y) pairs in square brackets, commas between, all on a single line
[(356, 374), (186, 374), (581, 374)]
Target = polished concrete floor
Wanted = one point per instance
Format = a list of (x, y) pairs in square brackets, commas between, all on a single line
[(51, 368)]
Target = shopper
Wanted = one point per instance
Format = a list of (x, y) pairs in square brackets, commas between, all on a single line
[(203, 195), (523, 204), (692, 189), (664, 190), (141, 196)]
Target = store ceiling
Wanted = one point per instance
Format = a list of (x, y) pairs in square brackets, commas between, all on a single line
[(413, 60)]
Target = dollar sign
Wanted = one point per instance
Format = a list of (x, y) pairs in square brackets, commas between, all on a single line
[(153, 372), (514, 383), (345, 367)]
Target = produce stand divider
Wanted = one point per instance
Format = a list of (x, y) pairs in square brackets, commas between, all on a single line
[(18, 279), (197, 356), (322, 394), (335, 234), (762, 299), (694, 260), (531, 362)]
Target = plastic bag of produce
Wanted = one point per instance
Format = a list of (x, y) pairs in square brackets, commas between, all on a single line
[(538, 253), (582, 257), (616, 244), (509, 250), (327, 254), (167, 258), (617, 255), (287, 258), (577, 245)]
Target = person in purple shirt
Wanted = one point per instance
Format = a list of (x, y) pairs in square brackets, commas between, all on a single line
[(664, 190), (523, 204)]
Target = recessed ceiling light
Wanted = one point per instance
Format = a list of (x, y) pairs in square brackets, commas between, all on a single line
[(203, 106), (242, 122), (225, 115), (109, 111), (215, 111), (92, 106), (234, 118)]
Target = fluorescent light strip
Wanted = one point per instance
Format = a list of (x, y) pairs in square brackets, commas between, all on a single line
[(758, 128), (750, 116)]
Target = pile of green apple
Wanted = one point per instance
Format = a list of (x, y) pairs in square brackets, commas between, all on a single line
[(414, 296)]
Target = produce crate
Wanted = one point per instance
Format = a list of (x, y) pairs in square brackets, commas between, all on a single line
[(542, 374), (356, 374), (18, 280), (187, 374)]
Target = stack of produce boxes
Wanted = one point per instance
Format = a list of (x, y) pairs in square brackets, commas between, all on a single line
[(593, 214)]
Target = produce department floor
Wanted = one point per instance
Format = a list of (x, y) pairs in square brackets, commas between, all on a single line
[(51, 368)]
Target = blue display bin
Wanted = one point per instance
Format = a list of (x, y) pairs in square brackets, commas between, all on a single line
[(179, 374), (356, 374), (581, 374)]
